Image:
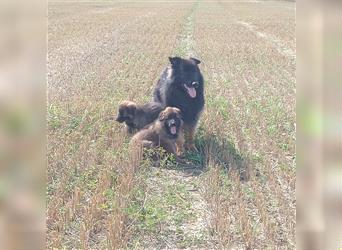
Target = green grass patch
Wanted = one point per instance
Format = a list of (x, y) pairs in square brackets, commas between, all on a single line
[(220, 105), (156, 212)]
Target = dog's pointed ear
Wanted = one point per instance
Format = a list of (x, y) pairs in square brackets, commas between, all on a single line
[(174, 61), (161, 116), (195, 60)]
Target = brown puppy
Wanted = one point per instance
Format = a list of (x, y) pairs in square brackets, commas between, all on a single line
[(165, 132), (137, 116)]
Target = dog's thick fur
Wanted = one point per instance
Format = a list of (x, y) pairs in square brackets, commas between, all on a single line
[(181, 85), (161, 134), (138, 116)]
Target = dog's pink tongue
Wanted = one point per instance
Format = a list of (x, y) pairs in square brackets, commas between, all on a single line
[(192, 92), (173, 130)]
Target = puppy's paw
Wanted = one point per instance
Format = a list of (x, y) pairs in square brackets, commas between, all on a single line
[(180, 152)]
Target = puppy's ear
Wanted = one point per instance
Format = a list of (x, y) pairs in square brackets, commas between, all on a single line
[(162, 116), (175, 61), (195, 60)]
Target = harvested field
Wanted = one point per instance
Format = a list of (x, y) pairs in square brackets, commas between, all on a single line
[(237, 191)]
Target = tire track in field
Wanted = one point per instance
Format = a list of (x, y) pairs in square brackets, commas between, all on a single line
[(274, 41), (194, 228), (178, 194), (198, 204), (186, 46)]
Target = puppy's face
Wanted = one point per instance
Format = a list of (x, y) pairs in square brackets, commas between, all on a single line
[(172, 121), (187, 74), (126, 112)]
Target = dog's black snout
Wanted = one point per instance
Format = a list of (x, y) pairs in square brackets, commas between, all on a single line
[(172, 122), (120, 119), (195, 84)]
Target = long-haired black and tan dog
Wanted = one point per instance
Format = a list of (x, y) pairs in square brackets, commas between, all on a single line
[(138, 116), (181, 85), (165, 132)]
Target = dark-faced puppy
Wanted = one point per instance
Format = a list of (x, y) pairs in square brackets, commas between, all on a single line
[(165, 132), (181, 85), (138, 116)]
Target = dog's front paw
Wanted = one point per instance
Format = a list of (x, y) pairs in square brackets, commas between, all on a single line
[(179, 151)]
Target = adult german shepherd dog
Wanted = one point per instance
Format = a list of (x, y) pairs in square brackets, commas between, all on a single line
[(181, 85)]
